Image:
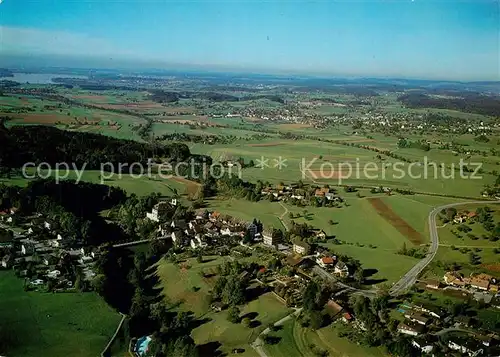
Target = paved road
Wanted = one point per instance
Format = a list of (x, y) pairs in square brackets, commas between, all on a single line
[(411, 277), (258, 344)]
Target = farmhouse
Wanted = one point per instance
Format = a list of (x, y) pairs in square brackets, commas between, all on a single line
[(481, 281), (319, 233), (333, 308), (432, 284)]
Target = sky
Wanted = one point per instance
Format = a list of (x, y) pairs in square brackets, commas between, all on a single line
[(435, 39)]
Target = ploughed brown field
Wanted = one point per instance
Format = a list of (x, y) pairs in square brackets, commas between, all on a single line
[(397, 222)]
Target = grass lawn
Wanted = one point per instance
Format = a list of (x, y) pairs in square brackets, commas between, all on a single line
[(296, 341), (374, 230), (178, 282), (48, 325), (267, 212), (386, 266)]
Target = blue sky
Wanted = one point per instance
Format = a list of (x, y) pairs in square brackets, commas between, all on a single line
[(448, 39)]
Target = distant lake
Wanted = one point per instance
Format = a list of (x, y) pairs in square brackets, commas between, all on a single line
[(39, 78)]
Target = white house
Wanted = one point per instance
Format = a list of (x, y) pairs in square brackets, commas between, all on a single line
[(85, 260), (54, 243), (27, 248), (301, 247), (423, 346), (226, 231), (53, 274), (158, 211), (341, 269), (47, 225), (197, 243), (37, 282), (329, 196), (6, 261), (463, 347)]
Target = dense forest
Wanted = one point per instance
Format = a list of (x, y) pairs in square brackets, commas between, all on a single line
[(470, 103), (22, 144), (161, 96)]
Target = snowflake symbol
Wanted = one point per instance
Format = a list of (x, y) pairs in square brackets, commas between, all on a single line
[(262, 163), (280, 163)]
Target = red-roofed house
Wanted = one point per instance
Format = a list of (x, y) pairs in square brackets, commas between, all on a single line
[(347, 317), (325, 261)]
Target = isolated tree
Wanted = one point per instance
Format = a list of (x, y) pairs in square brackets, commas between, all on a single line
[(233, 314)]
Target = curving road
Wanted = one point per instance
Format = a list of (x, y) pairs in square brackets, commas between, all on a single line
[(411, 277), (258, 344)]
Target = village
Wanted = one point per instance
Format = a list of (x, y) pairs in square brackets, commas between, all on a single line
[(43, 256), (50, 262)]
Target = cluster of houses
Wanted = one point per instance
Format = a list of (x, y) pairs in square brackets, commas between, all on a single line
[(480, 282), (325, 261), (464, 216), (206, 229), (301, 194), (211, 228), (46, 251), (420, 319)]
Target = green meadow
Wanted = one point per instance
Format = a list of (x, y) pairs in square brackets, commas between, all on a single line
[(36, 324), (297, 341), (183, 286)]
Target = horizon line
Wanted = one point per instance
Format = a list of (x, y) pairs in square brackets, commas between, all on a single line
[(138, 64)]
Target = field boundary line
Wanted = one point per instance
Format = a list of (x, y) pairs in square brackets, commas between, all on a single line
[(118, 328)]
